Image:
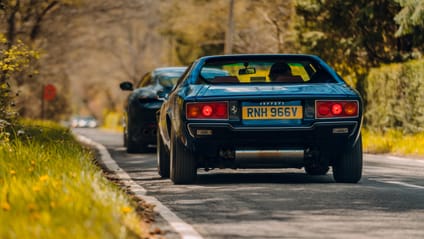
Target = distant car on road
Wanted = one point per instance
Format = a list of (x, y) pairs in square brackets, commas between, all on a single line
[(140, 110), (83, 122), (260, 111)]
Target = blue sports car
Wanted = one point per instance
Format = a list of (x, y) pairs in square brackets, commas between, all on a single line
[(260, 111)]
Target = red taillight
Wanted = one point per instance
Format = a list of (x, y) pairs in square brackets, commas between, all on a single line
[(336, 109), (207, 110)]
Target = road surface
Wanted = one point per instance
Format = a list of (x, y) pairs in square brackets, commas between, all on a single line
[(285, 203)]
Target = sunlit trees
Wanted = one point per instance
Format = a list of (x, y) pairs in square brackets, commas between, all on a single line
[(88, 47), (411, 17), (411, 24), (24, 22), (355, 32), (196, 28)]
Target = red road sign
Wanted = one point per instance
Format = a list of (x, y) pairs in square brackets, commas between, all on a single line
[(49, 92)]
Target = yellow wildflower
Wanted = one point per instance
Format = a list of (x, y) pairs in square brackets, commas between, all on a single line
[(126, 209), (36, 188), (32, 207), (44, 178), (5, 206)]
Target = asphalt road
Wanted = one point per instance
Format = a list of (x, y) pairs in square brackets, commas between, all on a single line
[(387, 203)]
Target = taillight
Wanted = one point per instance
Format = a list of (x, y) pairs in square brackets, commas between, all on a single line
[(336, 108), (207, 110)]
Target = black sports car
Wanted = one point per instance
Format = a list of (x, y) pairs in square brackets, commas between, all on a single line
[(260, 111), (142, 104)]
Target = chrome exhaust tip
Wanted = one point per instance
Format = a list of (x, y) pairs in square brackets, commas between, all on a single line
[(270, 154)]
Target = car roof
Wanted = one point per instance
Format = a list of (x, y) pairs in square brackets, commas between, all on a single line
[(259, 57), (170, 69)]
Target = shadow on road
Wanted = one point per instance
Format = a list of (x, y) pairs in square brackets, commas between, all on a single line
[(238, 177)]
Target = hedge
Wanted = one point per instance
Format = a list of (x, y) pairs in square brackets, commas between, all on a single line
[(395, 97)]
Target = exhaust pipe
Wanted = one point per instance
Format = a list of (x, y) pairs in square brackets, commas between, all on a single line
[(277, 158)]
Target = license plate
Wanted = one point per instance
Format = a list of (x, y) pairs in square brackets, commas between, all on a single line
[(272, 112)]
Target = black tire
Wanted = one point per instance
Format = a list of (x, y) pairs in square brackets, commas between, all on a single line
[(162, 155), (183, 166), (348, 168), (125, 138), (133, 146), (316, 169)]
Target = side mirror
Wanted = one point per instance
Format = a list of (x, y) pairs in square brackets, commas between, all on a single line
[(126, 85)]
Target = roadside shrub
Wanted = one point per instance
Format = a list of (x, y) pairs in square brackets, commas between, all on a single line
[(393, 142), (395, 98), (15, 61), (112, 120)]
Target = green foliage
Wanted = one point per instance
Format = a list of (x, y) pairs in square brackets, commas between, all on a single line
[(357, 36), (50, 188), (14, 60), (395, 97), (354, 36), (411, 17)]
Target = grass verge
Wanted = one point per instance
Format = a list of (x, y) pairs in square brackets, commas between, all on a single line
[(393, 142), (51, 188)]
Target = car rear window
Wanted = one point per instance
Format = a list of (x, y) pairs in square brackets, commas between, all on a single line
[(168, 80), (268, 71)]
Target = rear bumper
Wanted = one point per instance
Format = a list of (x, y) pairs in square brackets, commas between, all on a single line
[(247, 144), (142, 124)]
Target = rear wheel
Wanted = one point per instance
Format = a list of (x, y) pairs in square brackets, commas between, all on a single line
[(183, 166), (348, 168), (125, 138), (162, 155), (134, 146)]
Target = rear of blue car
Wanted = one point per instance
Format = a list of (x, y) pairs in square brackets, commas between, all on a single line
[(279, 131), (257, 123)]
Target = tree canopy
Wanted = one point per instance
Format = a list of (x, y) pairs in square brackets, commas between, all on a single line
[(88, 47)]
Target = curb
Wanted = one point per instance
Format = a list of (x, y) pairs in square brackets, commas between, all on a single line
[(186, 231)]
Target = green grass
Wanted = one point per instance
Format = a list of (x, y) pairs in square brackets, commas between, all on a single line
[(50, 188), (393, 142)]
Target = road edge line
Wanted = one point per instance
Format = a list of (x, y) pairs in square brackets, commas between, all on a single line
[(185, 230)]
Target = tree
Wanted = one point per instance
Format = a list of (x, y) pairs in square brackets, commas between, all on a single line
[(411, 24), (23, 22), (411, 17), (197, 28), (194, 28), (353, 35)]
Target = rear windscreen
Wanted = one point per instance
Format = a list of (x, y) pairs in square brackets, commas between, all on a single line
[(270, 71)]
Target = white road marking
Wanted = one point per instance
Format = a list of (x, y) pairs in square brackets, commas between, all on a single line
[(404, 184), (185, 230), (405, 159)]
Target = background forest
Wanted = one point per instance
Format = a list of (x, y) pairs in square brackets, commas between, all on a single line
[(86, 48)]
